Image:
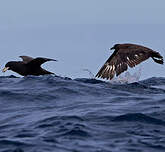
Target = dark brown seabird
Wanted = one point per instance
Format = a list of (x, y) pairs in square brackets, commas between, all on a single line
[(29, 66), (126, 55)]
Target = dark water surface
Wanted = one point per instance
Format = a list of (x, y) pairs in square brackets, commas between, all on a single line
[(53, 114)]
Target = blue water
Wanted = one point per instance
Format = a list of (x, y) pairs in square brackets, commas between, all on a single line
[(54, 114)]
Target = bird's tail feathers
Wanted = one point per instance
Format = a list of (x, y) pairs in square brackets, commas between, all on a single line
[(157, 57)]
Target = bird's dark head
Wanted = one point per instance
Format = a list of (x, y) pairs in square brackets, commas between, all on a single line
[(9, 66), (115, 47)]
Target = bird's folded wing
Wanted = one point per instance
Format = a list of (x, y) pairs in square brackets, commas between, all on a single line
[(38, 61), (26, 59)]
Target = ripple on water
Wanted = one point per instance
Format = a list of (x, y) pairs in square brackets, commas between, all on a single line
[(48, 113)]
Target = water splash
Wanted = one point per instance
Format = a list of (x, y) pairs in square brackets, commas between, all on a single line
[(128, 77)]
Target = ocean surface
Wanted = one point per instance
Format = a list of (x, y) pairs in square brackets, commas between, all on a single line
[(56, 114)]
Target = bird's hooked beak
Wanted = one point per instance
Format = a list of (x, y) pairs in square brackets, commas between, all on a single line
[(111, 48), (5, 69)]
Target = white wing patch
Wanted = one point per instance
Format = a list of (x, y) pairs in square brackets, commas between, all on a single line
[(113, 67), (108, 67)]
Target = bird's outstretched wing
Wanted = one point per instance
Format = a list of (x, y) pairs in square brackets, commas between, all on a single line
[(38, 61), (26, 59), (119, 61)]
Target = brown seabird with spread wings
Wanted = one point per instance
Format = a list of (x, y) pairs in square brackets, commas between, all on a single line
[(126, 55), (29, 66)]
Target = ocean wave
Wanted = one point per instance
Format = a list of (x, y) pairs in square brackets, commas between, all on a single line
[(139, 117), (51, 113)]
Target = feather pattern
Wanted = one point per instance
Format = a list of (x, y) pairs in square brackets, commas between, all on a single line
[(124, 56)]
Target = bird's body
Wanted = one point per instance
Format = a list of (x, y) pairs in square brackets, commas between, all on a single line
[(126, 55), (29, 66)]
